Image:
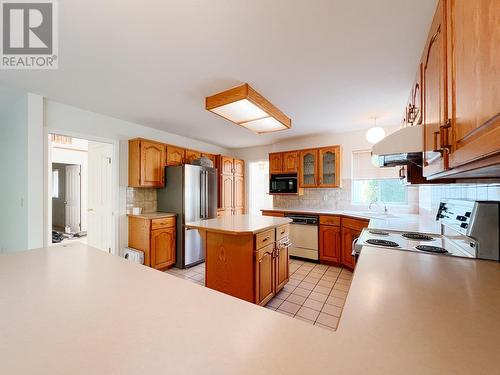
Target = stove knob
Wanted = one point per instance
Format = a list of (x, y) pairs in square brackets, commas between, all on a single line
[(461, 218), (467, 214), (464, 225)]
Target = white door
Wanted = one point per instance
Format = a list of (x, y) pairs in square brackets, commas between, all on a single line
[(100, 230), (73, 198)]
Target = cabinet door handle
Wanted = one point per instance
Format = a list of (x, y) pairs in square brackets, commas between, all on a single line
[(436, 134)]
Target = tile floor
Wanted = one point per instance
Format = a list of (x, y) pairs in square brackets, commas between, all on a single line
[(315, 294)]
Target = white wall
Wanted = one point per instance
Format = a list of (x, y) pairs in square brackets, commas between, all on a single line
[(14, 172), (35, 172), (64, 119)]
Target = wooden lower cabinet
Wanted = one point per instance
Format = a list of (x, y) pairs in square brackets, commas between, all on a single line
[(282, 263), (156, 238), (351, 229), (348, 236), (162, 248), (265, 278), (329, 244)]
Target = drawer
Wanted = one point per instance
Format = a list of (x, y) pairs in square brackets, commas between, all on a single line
[(282, 231), (330, 220), (264, 238), (163, 222)]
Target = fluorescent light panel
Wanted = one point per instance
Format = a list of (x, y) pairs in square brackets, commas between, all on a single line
[(268, 124), (240, 111), (246, 107)]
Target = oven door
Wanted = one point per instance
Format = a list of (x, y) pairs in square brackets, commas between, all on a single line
[(283, 184)]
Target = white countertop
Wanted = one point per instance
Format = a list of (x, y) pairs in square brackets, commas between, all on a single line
[(77, 310), (153, 215), (240, 224), (396, 221)]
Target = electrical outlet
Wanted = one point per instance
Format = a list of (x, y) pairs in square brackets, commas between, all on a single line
[(325, 197)]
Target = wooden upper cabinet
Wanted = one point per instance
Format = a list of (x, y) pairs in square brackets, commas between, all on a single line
[(227, 191), (226, 165), (290, 162), (474, 96), (211, 157), (239, 194), (434, 96), (308, 176), (329, 167), (239, 167), (191, 155), (175, 155), (231, 187), (276, 162), (146, 163), (415, 111)]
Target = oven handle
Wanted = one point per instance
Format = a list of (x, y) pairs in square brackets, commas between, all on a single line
[(354, 242)]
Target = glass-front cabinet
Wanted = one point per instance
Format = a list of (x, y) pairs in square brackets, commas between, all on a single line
[(308, 168), (329, 167)]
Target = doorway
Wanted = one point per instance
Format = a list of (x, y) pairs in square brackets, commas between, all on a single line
[(82, 197), (259, 197)]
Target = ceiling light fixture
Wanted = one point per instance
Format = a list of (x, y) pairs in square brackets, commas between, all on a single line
[(376, 133), (246, 107)]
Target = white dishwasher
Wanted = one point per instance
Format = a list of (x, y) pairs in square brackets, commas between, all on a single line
[(304, 236)]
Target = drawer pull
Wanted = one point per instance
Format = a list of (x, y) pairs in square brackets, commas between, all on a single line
[(266, 239)]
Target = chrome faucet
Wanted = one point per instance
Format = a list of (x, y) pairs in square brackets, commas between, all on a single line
[(376, 202)]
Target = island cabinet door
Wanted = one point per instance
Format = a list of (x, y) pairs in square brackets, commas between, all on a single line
[(265, 280), (162, 248), (282, 267)]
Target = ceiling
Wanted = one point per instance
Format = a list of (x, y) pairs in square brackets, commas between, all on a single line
[(328, 64)]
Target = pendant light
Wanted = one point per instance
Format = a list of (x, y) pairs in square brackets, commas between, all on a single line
[(376, 133)]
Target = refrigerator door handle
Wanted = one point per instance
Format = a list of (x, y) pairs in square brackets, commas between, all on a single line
[(202, 195), (206, 195)]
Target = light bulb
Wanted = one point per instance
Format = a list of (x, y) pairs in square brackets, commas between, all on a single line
[(375, 134)]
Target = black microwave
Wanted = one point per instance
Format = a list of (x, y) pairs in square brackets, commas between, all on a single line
[(283, 183)]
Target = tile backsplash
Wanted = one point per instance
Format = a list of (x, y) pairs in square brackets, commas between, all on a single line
[(339, 199), (431, 195), (142, 197)]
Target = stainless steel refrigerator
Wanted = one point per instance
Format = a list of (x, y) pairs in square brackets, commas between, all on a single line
[(191, 192)]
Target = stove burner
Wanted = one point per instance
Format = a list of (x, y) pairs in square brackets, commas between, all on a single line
[(417, 236), (431, 249), (378, 242), (379, 232)]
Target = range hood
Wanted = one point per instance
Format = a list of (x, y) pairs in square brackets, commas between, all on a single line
[(401, 147)]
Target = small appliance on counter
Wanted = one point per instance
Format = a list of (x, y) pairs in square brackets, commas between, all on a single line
[(469, 229)]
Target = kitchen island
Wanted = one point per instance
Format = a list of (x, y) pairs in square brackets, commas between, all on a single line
[(246, 256)]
